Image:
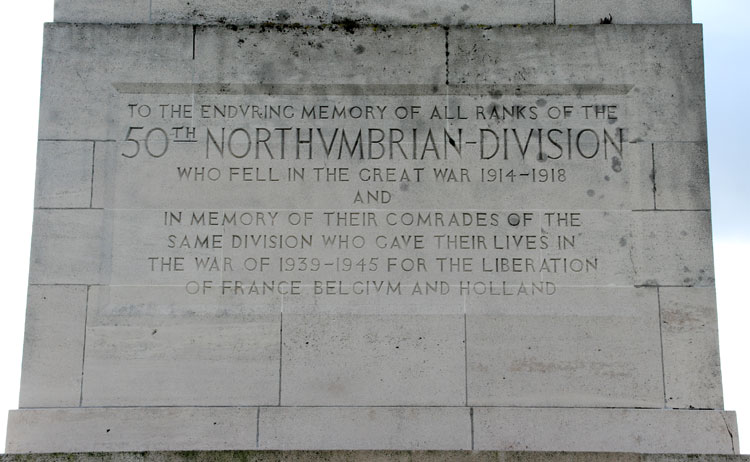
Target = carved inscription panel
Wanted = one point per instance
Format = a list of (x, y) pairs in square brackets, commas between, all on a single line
[(401, 196)]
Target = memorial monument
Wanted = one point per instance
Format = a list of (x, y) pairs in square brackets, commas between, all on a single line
[(372, 225)]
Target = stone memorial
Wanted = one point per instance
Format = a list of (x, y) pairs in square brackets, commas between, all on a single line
[(372, 225)]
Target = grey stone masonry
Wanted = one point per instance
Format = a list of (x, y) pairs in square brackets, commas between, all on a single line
[(387, 226), (446, 12)]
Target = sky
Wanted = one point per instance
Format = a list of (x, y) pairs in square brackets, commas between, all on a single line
[(726, 42)]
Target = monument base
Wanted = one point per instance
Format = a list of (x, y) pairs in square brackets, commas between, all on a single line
[(373, 428)]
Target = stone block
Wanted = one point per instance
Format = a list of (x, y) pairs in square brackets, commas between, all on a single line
[(53, 346), (584, 347), (623, 12), (692, 370), (362, 428), (591, 430), (131, 429), (107, 12), (63, 174), (70, 247), (375, 360), (158, 346), (674, 248), (690, 189)]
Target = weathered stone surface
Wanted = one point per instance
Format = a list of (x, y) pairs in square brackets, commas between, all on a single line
[(64, 174), (313, 12), (375, 360), (692, 368), (125, 429), (108, 11), (382, 12), (592, 429), (675, 248), (637, 56), (614, 362), (689, 190), (53, 346), (364, 428), (375, 12), (79, 63), (152, 346), (70, 246)]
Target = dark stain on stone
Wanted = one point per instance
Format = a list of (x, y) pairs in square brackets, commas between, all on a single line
[(314, 10), (154, 332), (435, 88), (240, 41), (464, 7), (612, 121), (590, 193), (623, 242), (606, 20), (495, 94), (348, 24), (541, 102), (616, 164), (283, 15), (359, 49), (683, 233), (233, 27), (606, 177)]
